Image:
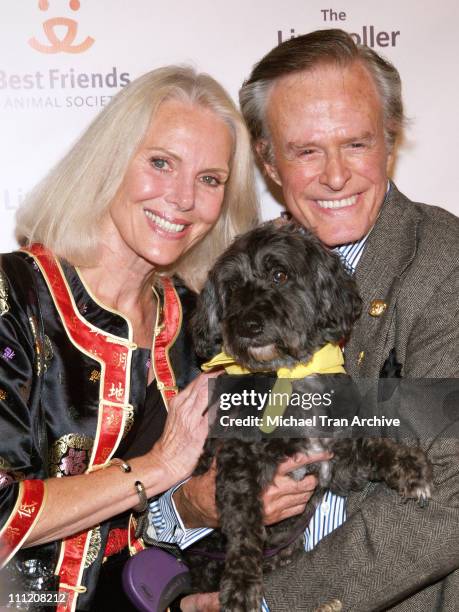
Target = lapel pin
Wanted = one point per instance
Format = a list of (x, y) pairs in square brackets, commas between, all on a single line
[(361, 357), (377, 308)]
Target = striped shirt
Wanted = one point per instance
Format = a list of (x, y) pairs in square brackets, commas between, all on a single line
[(166, 525)]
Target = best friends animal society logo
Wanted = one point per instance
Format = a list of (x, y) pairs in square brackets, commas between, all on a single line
[(42, 86), (61, 33)]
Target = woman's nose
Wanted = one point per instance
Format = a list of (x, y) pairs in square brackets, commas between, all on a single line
[(182, 195)]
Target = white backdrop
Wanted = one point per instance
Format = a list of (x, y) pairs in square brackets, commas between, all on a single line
[(50, 50)]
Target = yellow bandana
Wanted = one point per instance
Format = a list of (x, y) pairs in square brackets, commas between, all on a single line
[(327, 360)]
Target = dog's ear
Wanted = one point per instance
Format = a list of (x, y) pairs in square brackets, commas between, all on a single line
[(337, 297), (205, 323)]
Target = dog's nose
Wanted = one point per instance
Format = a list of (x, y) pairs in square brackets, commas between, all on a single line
[(251, 327)]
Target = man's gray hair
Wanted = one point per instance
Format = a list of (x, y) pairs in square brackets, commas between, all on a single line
[(307, 52)]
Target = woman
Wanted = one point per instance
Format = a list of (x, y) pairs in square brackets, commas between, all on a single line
[(92, 346)]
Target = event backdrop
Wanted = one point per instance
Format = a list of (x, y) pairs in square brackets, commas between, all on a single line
[(63, 60)]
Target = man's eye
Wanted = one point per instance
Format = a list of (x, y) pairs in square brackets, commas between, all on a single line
[(279, 277), (307, 152), (357, 145), (213, 181), (159, 163)]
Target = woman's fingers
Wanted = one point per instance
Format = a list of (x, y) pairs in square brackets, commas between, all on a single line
[(185, 431), (196, 388)]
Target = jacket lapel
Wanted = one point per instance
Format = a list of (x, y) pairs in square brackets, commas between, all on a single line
[(390, 249)]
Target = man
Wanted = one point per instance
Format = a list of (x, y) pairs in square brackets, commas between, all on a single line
[(325, 116)]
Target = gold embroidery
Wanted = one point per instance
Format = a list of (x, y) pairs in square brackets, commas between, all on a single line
[(69, 455), (7, 474), (2, 395), (39, 363), (94, 376), (129, 422), (48, 351), (12, 533), (4, 306), (4, 465), (94, 547)]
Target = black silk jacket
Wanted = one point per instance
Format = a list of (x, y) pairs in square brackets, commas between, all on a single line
[(50, 403)]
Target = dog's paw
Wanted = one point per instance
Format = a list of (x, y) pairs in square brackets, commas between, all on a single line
[(414, 476), (244, 597)]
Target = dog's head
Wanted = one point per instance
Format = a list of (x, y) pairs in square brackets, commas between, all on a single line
[(273, 298)]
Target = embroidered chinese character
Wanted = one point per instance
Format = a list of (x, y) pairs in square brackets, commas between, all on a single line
[(94, 376), (121, 361), (26, 510), (8, 353), (116, 392)]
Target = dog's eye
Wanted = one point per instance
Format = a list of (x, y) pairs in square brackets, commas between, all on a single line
[(279, 277)]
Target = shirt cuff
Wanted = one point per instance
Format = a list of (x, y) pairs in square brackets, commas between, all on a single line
[(166, 525)]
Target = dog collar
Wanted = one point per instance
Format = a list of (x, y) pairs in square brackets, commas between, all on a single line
[(327, 360)]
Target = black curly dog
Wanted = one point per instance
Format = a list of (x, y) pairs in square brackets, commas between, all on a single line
[(274, 298)]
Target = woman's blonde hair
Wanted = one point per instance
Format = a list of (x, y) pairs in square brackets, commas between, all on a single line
[(64, 210)]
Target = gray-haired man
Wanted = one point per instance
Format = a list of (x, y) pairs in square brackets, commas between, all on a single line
[(325, 116)]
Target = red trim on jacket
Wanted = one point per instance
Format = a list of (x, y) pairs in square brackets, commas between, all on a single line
[(114, 355), (166, 334), (26, 511)]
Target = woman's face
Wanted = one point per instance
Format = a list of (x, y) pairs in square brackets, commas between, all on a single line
[(173, 189)]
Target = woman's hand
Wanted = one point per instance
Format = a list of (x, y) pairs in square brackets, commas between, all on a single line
[(284, 497), (180, 445), (92, 498)]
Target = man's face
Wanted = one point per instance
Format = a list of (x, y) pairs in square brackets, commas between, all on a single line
[(330, 155)]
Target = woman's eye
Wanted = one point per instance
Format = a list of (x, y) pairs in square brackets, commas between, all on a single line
[(159, 163), (279, 277), (211, 180)]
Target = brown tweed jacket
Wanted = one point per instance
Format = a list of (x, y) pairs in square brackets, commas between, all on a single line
[(391, 555)]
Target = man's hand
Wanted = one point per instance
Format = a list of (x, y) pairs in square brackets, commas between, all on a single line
[(287, 497), (202, 602), (195, 500), (284, 497)]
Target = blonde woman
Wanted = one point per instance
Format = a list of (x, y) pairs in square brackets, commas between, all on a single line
[(91, 336)]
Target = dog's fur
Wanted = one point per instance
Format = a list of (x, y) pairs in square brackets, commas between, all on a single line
[(275, 297)]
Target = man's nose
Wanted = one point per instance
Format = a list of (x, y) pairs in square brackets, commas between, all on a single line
[(336, 172), (182, 194)]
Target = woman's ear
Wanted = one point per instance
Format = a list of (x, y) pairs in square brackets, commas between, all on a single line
[(205, 323), (263, 149)]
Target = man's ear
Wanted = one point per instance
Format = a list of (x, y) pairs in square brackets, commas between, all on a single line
[(262, 147)]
